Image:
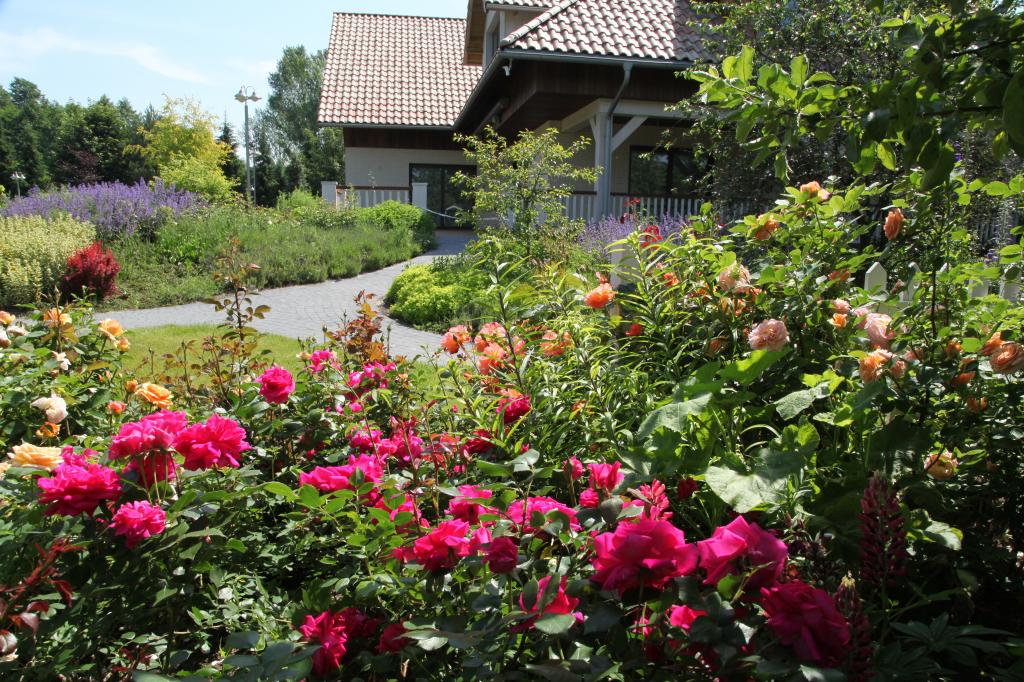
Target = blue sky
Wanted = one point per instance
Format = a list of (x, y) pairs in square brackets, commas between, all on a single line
[(81, 49)]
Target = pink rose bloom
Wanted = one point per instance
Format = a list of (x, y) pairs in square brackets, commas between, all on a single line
[(561, 603), (861, 312), (502, 555), (877, 327), (217, 442), (329, 630), (738, 546), (404, 445), (683, 616), (440, 549), (650, 552), (371, 376), (319, 360), (406, 505), (605, 477), (77, 487), (590, 498), (466, 506), (137, 521), (573, 468), (769, 335), (392, 639), (276, 384), (841, 305), (152, 468), (365, 440), (806, 619), (521, 513), (734, 278), (153, 432), (330, 479)]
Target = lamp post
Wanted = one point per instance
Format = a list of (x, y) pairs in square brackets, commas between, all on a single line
[(17, 177), (246, 95)]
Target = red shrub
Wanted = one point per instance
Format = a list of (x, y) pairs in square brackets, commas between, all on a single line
[(92, 270)]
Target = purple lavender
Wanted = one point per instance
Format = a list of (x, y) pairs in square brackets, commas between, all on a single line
[(597, 235), (116, 209)]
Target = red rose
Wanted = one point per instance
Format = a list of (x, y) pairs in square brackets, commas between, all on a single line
[(807, 619), (392, 639), (502, 555)]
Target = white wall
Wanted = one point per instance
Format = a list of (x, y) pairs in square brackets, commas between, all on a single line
[(383, 167)]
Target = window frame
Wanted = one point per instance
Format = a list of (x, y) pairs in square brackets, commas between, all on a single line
[(666, 191)]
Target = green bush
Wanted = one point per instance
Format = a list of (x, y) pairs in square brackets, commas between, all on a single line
[(34, 253), (298, 198), (200, 176), (437, 295), (394, 215), (326, 217)]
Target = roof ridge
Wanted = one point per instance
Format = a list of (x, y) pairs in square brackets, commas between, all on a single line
[(397, 16), (536, 22)]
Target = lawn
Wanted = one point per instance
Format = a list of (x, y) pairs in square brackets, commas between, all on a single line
[(152, 343)]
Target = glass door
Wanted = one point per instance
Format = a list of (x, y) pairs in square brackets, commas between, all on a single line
[(444, 198)]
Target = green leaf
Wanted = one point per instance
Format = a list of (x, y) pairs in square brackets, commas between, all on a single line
[(280, 489), (673, 416), (1013, 112), (886, 155), (142, 676), (555, 623), (309, 497), (798, 69), (763, 486), (242, 640), (745, 64), (793, 404), (747, 370), (944, 534), (164, 594)]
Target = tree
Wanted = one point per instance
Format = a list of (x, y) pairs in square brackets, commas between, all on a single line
[(233, 167)]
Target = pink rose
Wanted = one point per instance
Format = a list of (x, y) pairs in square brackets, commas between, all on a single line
[(276, 384), (502, 555), (807, 619), (559, 603), (153, 467), (573, 468), (738, 546), (137, 521), (513, 407), (769, 335), (877, 327), (330, 631), (153, 432), (217, 442), (650, 552), (330, 479), (683, 616), (466, 506), (841, 306), (605, 477), (521, 513), (77, 487), (393, 639), (319, 360), (440, 549), (590, 498)]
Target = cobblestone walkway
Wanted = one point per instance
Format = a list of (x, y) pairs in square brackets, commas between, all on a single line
[(302, 311)]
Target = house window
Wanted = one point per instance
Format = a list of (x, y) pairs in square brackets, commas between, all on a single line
[(657, 172), (492, 44), (444, 197)]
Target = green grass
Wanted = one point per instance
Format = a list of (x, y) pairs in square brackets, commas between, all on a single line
[(155, 342)]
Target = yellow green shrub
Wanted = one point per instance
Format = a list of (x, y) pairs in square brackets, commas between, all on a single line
[(34, 252)]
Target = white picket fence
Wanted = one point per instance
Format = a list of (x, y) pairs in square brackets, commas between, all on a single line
[(876, 279), (584, 205)]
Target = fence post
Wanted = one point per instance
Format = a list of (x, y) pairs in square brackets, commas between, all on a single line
[(419, 195), (329, 192)]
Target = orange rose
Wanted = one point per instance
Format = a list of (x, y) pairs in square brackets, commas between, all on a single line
[(838, 320), (123, 345), (893, 223), (715, 345), (28, 455), (552, 347), (489, 333), (112, 329), (962, 379), (635, 329), (54, 318), (814, 189), (1008, 359), (993, 344), (734, 278), (953, 349), (131, 385), (977, 404), (155, 395), (600, 296), (670, 279), (941, 466), (839, 275), (767, 224), (455, 338), (492, 358), (873, 364), (6, 318), (48, 430), (115, 407)]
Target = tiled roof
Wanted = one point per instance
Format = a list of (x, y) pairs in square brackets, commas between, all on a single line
[(522, 3), (635, 29), (395, 71)]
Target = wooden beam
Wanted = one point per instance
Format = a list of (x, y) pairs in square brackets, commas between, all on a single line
[(579, 118), (627, 130)]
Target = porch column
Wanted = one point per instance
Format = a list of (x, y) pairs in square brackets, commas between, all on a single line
[(329, 192), (419, 195), (603, 184)]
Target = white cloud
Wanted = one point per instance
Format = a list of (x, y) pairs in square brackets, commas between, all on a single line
[(16, 48)]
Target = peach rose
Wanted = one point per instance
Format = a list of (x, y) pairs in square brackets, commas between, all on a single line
[(552, 346), (455, 338), (841, 305), (734, 278), (992, 345), (767, 224), (873, 365), (48, 430), (6, 318), (115, 407), (838, 320), (155, 395), (941, 466), (977, 404), (111, 329), (814, 189), (492, 357), (54, 318), (1008, 359), (877, 327), (715, 345), (123, 345), (28, 455), (599, 296), (962, 379), (768, 335), (893, 223), (489, 333)]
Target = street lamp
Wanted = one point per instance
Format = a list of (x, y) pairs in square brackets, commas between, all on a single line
[(246, 95), (18, 178)]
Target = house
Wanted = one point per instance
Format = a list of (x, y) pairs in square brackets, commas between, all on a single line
[(400, 87)]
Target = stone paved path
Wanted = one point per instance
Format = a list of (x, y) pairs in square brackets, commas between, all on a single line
[(302, 311)]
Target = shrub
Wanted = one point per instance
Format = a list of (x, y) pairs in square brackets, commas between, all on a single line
[(327, 218), (298, 198), (437, 295), (394, 215), (201, 176), (116, 209), (91, 271), (34, 252)]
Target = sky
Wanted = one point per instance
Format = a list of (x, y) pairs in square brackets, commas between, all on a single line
[(142, 49)]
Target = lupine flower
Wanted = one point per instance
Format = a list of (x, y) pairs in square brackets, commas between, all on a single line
[(862, 652), (137, 521), (883, 547)]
